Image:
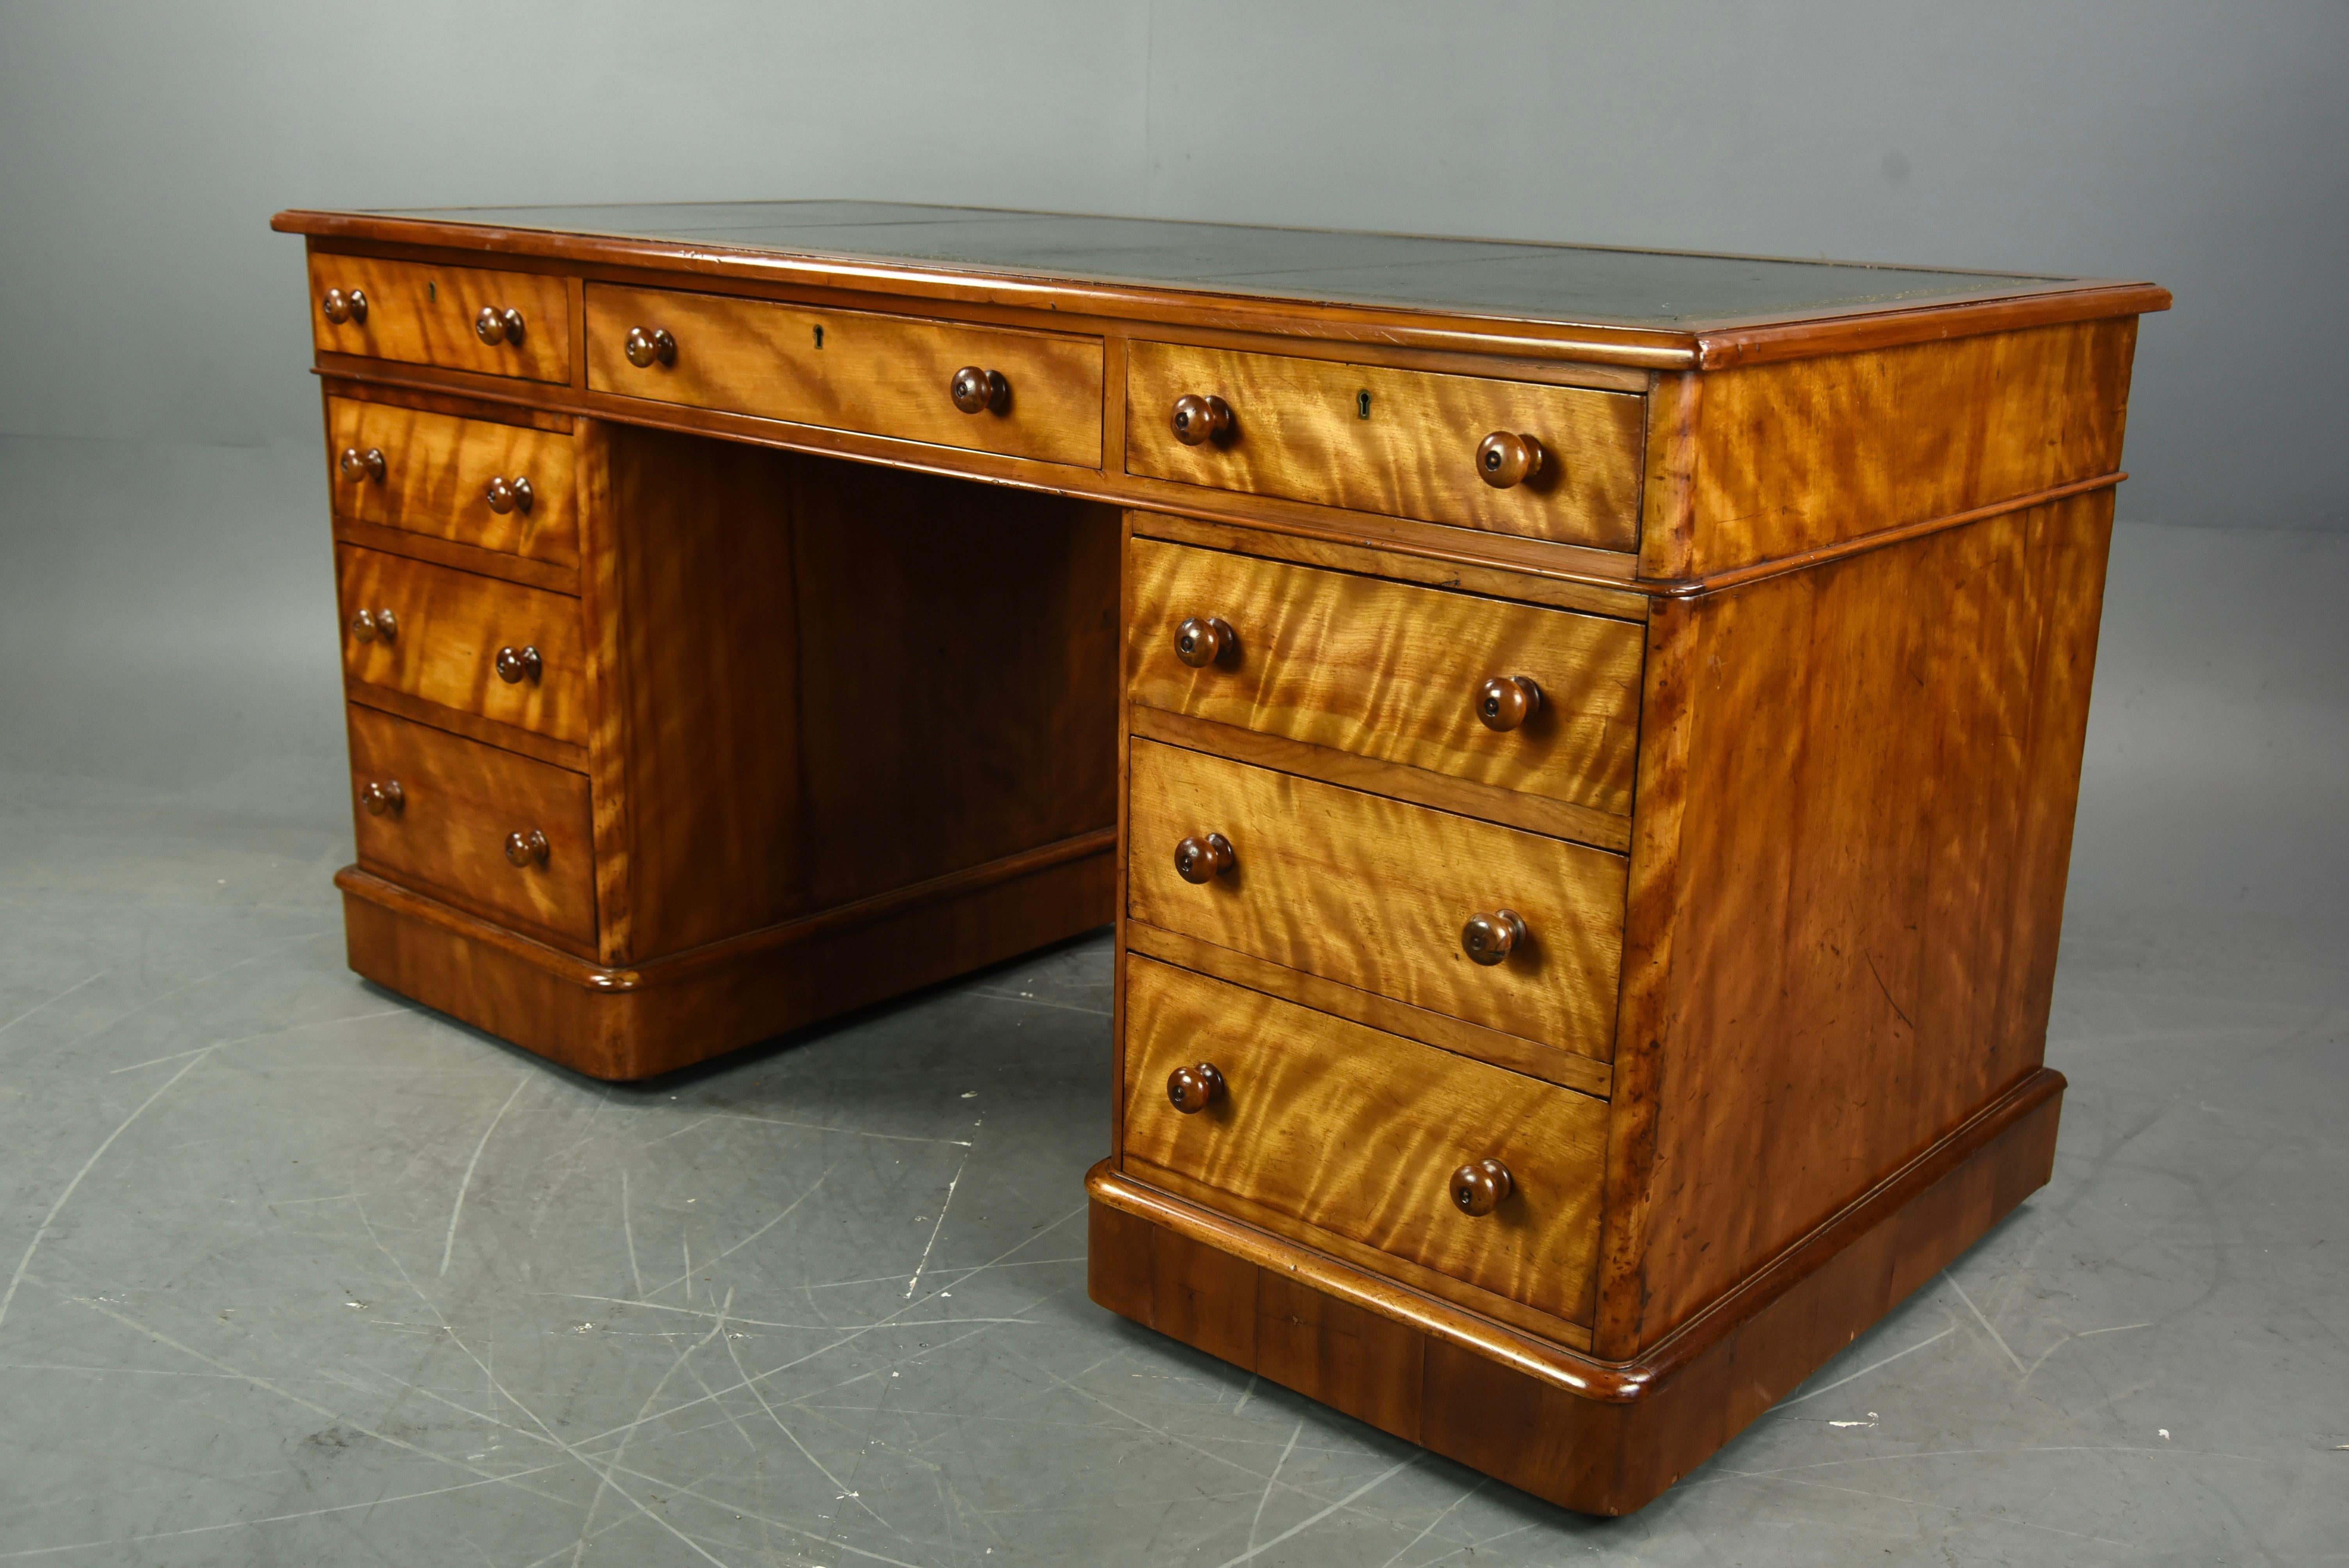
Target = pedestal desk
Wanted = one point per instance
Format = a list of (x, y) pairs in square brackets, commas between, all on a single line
[(1578, 745)]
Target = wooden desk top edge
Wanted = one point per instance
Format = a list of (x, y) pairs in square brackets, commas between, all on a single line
[(2003, 303)]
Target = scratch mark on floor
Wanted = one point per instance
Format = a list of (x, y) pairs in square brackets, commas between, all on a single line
[(1429, 1528), (745, 1241), (955, 1182), (1889, 1360), (1995, 1336), (49, 1219), (53, 1001), (268, 1035), (1256, 1522), (449, 1247), (845, 1131), (628, 1230), (1309, 1521)]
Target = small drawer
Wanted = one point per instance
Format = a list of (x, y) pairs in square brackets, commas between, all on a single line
[(505, 488), (850, 370), (465, 640), (424, 314), (1402, 443), (1327, 1124), (467, 823), (1386, 670), (1375, 894)]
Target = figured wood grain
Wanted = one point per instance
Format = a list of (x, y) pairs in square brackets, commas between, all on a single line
[(1880, 765), (423, 312), (437, 471), (1391, 671), (1568, 1070), (886, 375), (1791, 456), (1297, 432), (461, 799), (462, 557), (1358, 1132), (1373, 893), (451, 626)]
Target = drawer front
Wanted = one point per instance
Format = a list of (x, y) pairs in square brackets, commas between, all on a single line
[(456, 803), (450, 627), (1300, 431), (424, 314), (1372, 893), (437, 475), (1387, 670), (853, 370), (1333, 1125)]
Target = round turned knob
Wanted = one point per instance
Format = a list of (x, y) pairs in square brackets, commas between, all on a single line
[(514, 665), (1489, 938), (1203, 860), (383, 798), (1202, 641), (975, 391), (1192, 1089), (495, 325), (1504, 459), (506, 495), (1506, 702), (369, 624), (1200, 420), (341, 305), (526, 849), (366, 465), (1481, 1186), (650, 345)]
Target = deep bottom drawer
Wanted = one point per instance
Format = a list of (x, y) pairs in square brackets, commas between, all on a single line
[(439, 812), (1325, 1124)]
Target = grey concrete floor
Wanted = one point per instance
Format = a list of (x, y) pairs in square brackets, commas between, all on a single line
[(296, 1272)]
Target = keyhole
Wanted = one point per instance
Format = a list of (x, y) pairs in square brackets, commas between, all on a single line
[(431, 293), (819, 338), (1362, 405)]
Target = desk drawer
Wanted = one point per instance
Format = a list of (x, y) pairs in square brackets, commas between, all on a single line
[(1402, 443), (436, 810), (1387, 670), (853, 370), (1373, 893), (450, 628), (423, 314), (1331, 1125), (436, 473)]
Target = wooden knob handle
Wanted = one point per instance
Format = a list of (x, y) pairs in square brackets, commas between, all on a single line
[(1192, 1089), (1489, 938), (383, 798), (1506, 702), (1482, 1186), (1202, 641), (1504, 459), (505, 495), (526, 849), (976, 391), (368, 626), (517, 665), (495, 325), (649, 346), (366, 465), (342, 306), (1201, 860), (1200, 420)]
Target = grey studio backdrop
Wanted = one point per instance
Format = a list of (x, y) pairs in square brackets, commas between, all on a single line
[(168, 673)]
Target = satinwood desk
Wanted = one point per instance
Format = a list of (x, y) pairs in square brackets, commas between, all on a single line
[(1579, 746)]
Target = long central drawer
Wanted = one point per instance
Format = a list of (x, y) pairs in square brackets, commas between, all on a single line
[(850, 370), (1373, 893)]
